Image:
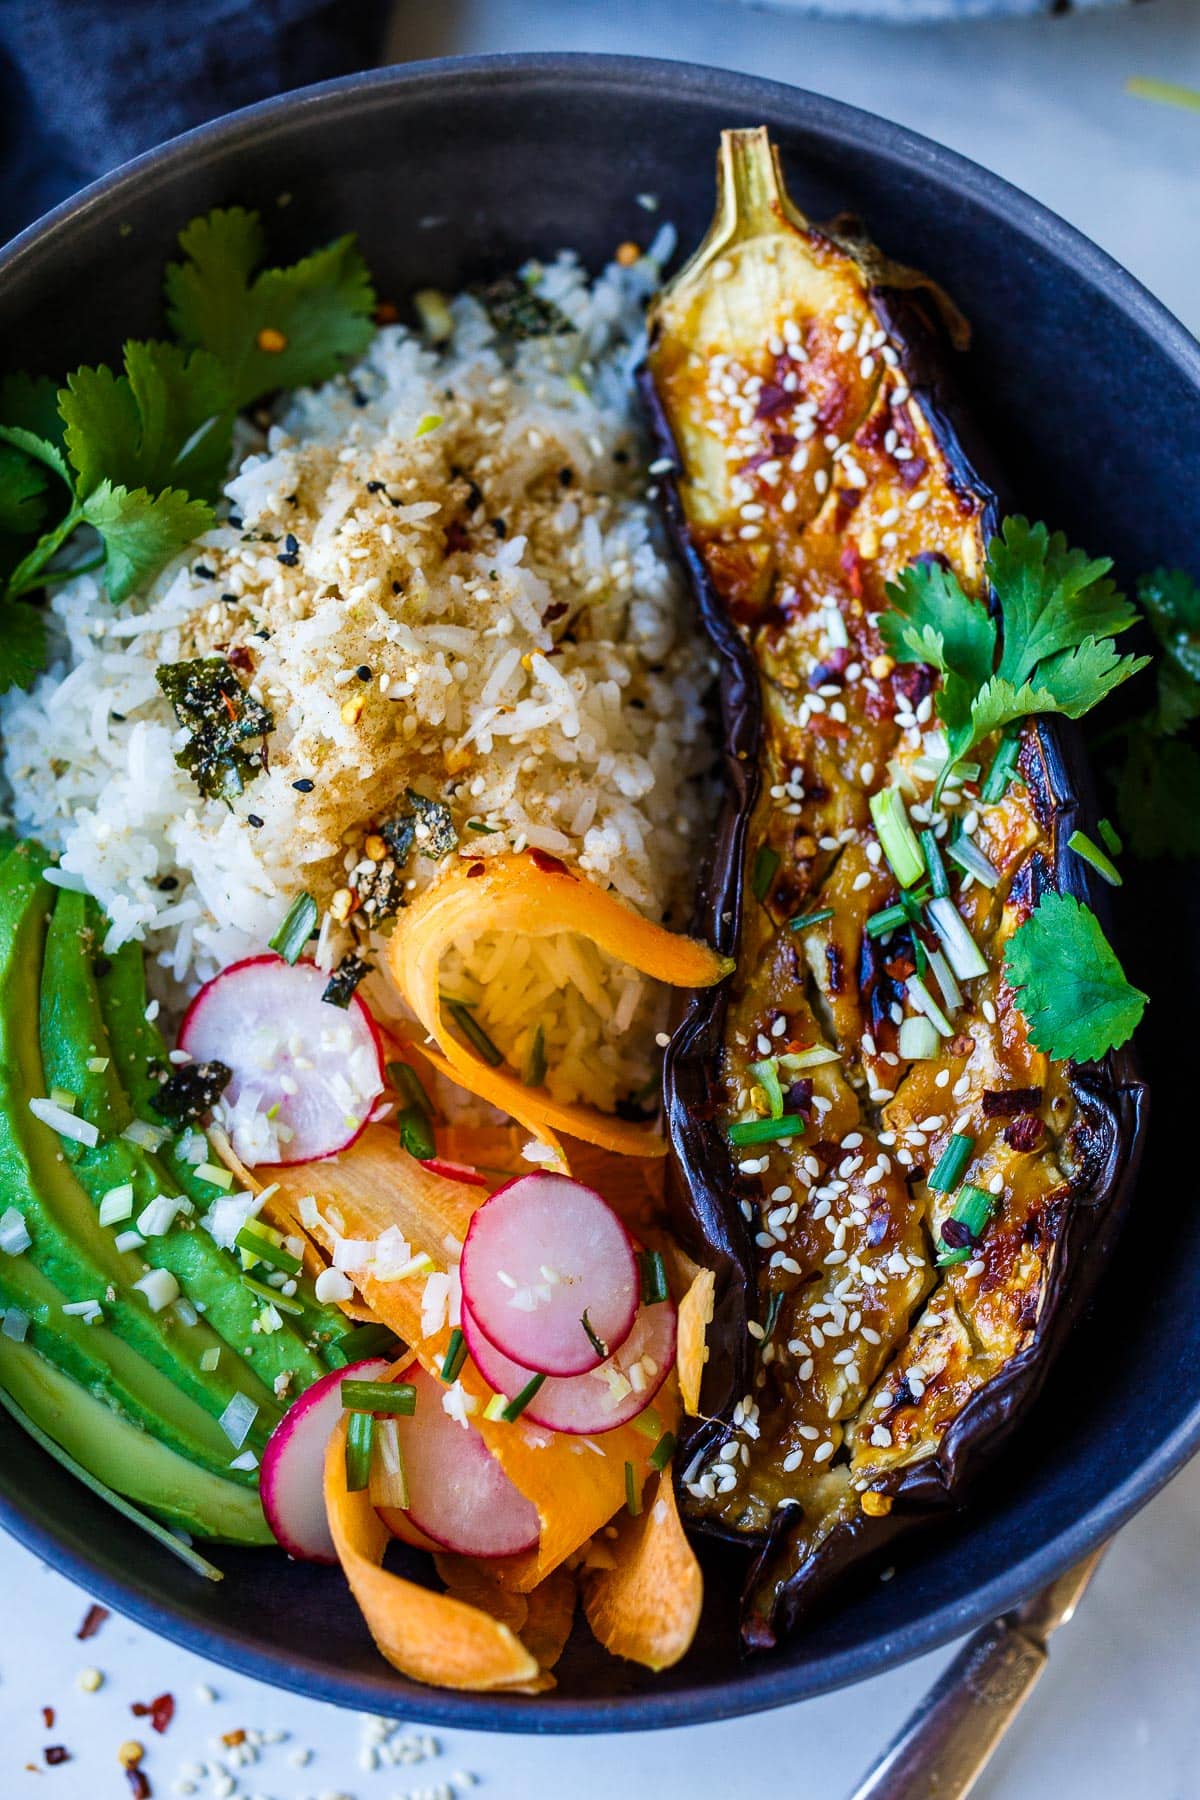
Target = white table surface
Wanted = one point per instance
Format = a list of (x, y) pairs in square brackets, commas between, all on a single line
[(1042, 102)]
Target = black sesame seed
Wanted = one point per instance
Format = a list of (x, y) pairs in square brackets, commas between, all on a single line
[(291, 542), (395, 587), (168, 884), (262, 631), (363, 672), (253, 819), (288, 558), (235, 522), (204, 572), (620, 456), (499, 527), (374, 487), (566, 476), (119, 717), (230, 599), (304, 785)]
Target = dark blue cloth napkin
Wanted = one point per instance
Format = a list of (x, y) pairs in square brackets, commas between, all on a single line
[(85, 84)]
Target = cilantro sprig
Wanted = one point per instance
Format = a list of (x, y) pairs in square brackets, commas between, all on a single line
[(139, 454), (1157, 770), (1069, 984), (1049, 650)]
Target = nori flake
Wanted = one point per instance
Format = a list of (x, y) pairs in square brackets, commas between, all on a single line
[(191, 1091), (339, 989), (221, 717), (518, 312), (437, 838)]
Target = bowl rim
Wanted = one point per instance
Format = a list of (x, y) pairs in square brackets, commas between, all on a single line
[(773, 1684)]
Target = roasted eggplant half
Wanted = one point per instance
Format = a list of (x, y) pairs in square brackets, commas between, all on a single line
[(904, 1200)]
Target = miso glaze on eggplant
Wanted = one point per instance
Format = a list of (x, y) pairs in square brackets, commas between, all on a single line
[(854, 1385)]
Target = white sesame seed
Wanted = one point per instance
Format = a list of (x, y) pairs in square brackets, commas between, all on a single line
[(823, 1452)]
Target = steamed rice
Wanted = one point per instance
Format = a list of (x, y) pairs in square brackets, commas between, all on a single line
[(446, 573)]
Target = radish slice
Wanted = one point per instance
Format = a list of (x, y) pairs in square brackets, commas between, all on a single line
[(293, 1465), (539, 1254), (458, 1495), (586, 1405), (306, 1074)]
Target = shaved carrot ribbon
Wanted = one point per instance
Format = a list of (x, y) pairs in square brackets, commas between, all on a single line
[(536, 897), (430, 1637), (643, 1601)]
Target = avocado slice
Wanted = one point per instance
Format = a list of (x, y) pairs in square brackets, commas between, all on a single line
[(125, 1458), (69, 1246), (74, 1045), (139, 1058)]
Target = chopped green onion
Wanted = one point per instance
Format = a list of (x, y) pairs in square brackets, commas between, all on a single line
[(391, 1458), (360, 1436), (598, 1344), (254, 1243), (962, 952), (117, 1204), (408, 1086), (296, 929), (774, 1303), (967, 854), (795, 1061), (765, 1131), (535, 1062), (805, 921), (1001, 772), (1108, 833), (456, 1356), (495, 1407), (215, 1175), (1167, 93), (365, 1341), (918, 1040), (648, 1423), (652, 1271), (938, 878), (763, 871), (512, 1412), (924, 1002), (951, 992), (484, 830), (891, 918), (416, 1133), (972, 1209), (766, 1073), (379, 1397), (952, 1163), (210, 1359), (633, 1491), (663, 1451), (1090, 851), (272, 1295), (896, 836), (474, 1033)]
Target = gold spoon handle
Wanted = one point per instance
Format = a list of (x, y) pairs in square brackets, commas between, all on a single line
[(945, 1746)]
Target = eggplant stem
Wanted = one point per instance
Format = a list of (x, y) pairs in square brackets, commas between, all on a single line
[(752, 201)]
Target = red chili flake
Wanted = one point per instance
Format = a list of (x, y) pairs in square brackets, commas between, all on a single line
[(555, 610), (475, 869), (1025, 1133), (160, 1711), (93, 1619), (139, 1781), (48, 1717), (240, 658), (549, 865), (457, 537), (386, 313), (911, 470), (773, 399), (852, 568), (1006, 1103), (55, 1754)]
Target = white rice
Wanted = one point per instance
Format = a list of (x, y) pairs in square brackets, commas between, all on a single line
[(587, 746)]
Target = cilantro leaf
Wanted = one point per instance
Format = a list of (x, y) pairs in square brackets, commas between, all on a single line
[(22, 644), (22, 493), (1058, 612), (1171, 603), (1051, 597), (282, 328), (1158, 794), (1069, 984), (141, 531), (165, 422)]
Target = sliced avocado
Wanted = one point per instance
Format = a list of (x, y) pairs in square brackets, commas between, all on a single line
[(69, 1246), (139, 1059), (127, 1459), (74, 1046)]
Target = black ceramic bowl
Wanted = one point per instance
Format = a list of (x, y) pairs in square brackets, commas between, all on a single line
[(1090, 393)]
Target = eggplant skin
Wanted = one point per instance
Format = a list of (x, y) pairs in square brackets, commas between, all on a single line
[(790, 1572)]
